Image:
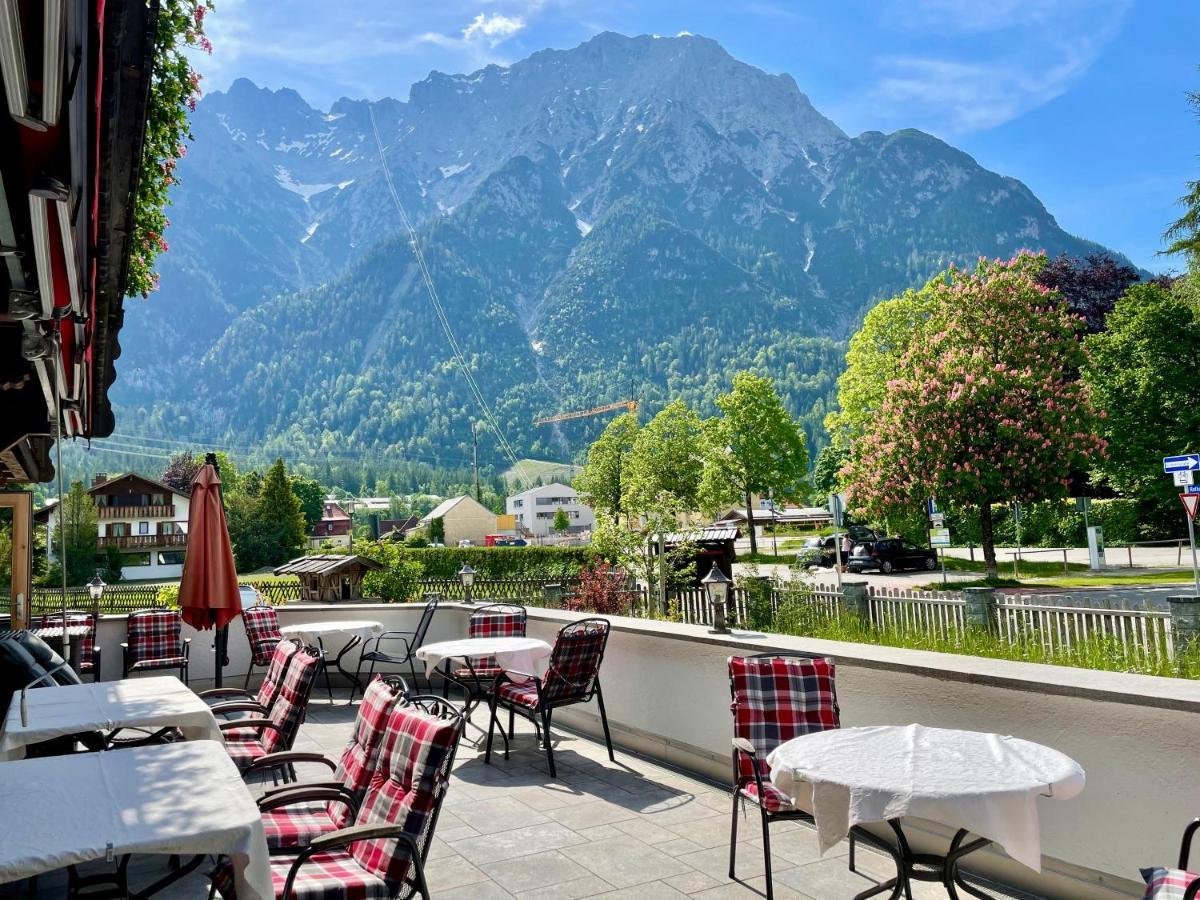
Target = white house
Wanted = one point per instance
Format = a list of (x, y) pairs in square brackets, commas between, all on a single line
[(534, 509), (142, 517)]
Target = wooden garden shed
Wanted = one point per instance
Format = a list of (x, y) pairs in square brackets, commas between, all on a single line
[(329, 577)]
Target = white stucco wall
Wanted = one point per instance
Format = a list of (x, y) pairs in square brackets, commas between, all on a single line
[(525, 507)]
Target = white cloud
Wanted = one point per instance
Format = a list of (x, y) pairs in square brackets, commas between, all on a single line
[(494, 29)]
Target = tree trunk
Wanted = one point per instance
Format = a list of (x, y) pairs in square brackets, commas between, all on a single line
[(750, 525), (987, 538), (662, 573)]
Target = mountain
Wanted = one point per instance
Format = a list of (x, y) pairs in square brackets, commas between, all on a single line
[(635, 214)]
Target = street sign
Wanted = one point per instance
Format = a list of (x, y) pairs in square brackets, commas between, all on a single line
[(1183, 479), (837, 508), (1191, 503), (1083, 504), (1192, 489), (1188, 462), (940, 537), (931, 507), (1017, 511), (937, 520)]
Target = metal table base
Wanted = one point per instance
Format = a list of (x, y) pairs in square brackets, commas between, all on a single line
[(931, 867)]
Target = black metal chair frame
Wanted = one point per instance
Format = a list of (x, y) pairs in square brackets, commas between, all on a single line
[(241, 695), (253, 644), (743, 746), (545, 709), (1185, 846), (93, 621), (412, 641), (477, 688), (187, 648), (415, 882)]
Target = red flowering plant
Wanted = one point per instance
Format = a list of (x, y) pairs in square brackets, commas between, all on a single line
[(985, 405), (602, 590), (174, 88)]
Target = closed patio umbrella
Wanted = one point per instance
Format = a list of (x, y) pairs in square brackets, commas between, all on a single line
[(208, 591)]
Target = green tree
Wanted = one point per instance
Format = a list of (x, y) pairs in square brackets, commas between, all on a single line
[(179, 472), (827, 477), (251, 544), (755, 447), (1141, 379), (312, 499), (561, 522), (437, 531), (114, 561), (601, 484), (985, 406), (280, 516), (1184, 233), (78, 523), (231, 478)]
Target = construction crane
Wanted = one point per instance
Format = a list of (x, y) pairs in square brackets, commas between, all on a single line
[(627, 405)]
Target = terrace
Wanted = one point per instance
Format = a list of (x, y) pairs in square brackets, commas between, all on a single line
[(655, 822)]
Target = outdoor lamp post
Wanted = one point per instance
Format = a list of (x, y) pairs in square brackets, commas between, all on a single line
[(467, 576), (716, 585), (96, 590)]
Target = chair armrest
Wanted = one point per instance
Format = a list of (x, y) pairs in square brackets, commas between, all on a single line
[(239, 706), (1186, 844), (223, 692), (187, 648), (742, 744), (344, 836), (284, 788), (307, 793), (248, 723), (286, 757)]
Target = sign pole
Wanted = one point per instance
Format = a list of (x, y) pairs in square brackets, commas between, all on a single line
[(1192, 541), (942, 556)]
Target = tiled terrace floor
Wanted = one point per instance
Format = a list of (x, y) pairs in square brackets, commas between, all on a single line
[(618, 830)]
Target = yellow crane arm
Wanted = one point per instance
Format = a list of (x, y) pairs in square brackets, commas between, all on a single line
[(628, 405)]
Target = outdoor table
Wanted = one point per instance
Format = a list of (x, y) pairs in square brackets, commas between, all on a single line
[(161, 701), (356, 631), (185, 799), (520, 656), (53, 635), (981, 784)]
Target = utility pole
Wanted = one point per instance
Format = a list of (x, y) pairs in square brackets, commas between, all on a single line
[(475, 462)]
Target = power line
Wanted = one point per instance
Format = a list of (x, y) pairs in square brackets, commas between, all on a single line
[(456, 350)]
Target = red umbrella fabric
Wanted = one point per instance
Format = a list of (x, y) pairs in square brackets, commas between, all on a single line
[(208, 591)]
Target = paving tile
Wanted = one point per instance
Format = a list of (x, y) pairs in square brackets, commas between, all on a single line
[(625, 861), (586, 815), (827, 878), (588, 886), (451, 872), (750, 863), (488, 848), (485, 890), (538, 870), (599, 832), (711, 830), (680, 846), (756, 889), (499, 814), (653, 890), (645, 831)]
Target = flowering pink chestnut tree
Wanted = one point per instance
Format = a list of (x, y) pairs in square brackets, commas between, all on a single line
[(985, 406)]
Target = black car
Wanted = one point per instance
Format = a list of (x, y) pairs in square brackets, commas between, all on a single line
[(823, 551), (891, 555)]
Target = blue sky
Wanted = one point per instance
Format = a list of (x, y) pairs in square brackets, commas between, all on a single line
[(1081, 99)]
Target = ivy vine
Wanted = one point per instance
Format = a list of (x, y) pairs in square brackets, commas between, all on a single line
[(174, 89)]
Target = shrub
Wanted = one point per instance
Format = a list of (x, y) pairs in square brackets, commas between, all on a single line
[(498, 562), (601, 591), (168, 596), (399, 579)]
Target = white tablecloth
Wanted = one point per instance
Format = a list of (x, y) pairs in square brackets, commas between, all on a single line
[(985, 783), (524, 655), (185, 798), (155, 702), (352, 628)]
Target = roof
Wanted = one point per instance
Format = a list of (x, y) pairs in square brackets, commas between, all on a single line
[(146, 478), (336, 513), (325, 564), (711, 533), (557, 485), (446, 505)]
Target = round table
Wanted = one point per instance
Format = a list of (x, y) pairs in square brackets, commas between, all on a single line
[(54, 636), (356, 631), (981, 784)]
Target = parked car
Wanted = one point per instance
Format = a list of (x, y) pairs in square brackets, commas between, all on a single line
[(822, 551), (891, 555)]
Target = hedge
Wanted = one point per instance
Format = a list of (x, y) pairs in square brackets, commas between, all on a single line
[(1053, 523), (488, 562)]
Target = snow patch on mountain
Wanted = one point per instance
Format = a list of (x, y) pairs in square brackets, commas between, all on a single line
[(283, 177)]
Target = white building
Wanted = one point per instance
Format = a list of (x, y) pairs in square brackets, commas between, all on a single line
[(143, 518), (534, 509)]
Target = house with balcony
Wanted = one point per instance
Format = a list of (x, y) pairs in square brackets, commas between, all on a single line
[(535, 509), (333, 528), (142, 517)]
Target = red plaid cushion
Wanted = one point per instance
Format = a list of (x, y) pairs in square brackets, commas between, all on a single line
[(87, 643), (262, 631), (492, 621), (154, 638), (575, 661), (287, 713), (778, 698), (362, 752), (332, 875), (1167, 884), (412, 771), (773, 799), (523, 694), (244, 752), (296, 826), (276, 670)]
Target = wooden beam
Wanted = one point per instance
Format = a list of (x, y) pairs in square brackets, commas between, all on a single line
[(21, 504)]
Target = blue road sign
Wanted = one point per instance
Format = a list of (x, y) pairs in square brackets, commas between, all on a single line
[(1188, 462), (1192, 489)]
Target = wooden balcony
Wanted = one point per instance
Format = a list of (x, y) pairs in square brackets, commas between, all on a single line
[(142, 541), (136, 512)]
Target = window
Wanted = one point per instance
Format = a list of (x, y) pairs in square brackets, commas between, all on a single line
[(171, 558), (135, 559), (517, 504), (170, 528), (101, 499), (118, 529), (158, 500), (143, 527)]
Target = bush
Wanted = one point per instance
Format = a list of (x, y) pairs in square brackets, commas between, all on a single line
[(601, 591), (1053, 523), (399, 579), (501, 562), (168, 596)]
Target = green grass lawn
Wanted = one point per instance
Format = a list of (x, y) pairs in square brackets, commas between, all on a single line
[(543, 469), (1027, 567)]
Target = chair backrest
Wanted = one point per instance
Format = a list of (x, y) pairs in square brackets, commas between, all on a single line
[(276, 670), (409, 783), (431, 606), (87, 643), (777, 697), (154, 634), (289, 708), (262, 631), (497, 620), (574, 669), (359, 758)]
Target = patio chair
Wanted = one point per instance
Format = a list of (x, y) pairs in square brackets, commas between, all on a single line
[(249, 739), (154, 641), (262, 632), (266, 695), (1178, 883), (383, 853), (476, 677), (406, 641), (573, 676), (776, 697), (89, 653), (294, 815)]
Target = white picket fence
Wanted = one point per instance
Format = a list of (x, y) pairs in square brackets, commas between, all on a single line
[(1138, 635), (941, 614)]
